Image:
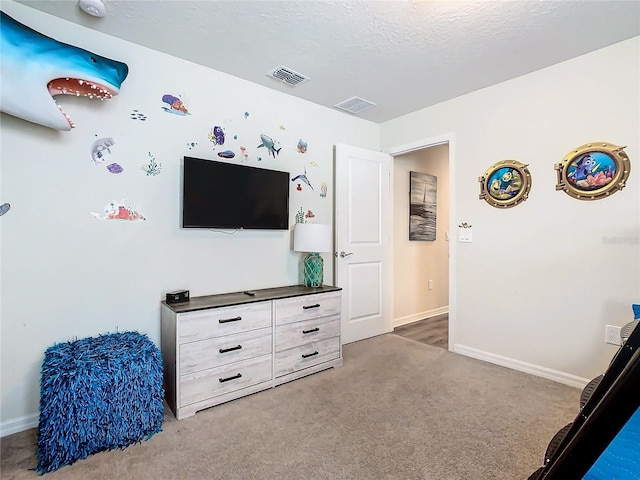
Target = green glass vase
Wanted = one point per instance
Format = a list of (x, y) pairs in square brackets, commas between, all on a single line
[(313, 274)]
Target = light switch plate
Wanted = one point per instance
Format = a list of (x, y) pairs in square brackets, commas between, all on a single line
[(465, 235)]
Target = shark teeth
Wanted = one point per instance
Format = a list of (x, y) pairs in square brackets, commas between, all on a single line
[(71, 124), (79, 88)]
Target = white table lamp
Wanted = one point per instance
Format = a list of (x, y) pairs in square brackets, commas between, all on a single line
[(312, 238)]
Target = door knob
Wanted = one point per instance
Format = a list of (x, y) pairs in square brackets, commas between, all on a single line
[(343, 254)]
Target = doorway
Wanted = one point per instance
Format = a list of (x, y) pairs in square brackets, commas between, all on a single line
[(420, 245), (423, 271)]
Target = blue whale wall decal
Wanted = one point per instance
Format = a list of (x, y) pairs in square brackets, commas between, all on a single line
[(35, 67)]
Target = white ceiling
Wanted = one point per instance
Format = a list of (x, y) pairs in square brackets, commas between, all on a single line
[(402, 55)]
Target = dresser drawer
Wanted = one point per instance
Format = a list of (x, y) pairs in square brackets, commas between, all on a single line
[(295, 309), (218, 381), (215, 322), (218, 351), (306, 356), (295, 334)]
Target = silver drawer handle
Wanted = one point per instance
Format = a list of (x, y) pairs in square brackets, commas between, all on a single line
[(344, 255)]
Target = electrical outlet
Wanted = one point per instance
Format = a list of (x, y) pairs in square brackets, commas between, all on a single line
[(612, 335), (430, 285)]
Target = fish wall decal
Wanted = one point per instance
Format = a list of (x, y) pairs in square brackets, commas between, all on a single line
[(268, 142), (4, 208), (303, 177), (34, 68)]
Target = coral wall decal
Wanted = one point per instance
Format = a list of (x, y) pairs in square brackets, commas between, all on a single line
[(114, 168), (152, 168), (119, 211)]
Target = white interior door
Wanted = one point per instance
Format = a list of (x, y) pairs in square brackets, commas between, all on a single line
[(363, 241)]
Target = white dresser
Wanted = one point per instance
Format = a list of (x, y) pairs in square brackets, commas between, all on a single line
[(221, 347)]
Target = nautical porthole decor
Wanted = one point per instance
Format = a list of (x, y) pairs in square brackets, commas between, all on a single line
[(505, 184), (593, 171)]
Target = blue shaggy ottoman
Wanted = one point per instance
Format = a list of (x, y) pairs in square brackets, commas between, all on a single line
[(97, 394)]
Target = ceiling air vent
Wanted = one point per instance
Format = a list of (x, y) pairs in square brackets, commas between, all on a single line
[(355, 105), (288, 76)]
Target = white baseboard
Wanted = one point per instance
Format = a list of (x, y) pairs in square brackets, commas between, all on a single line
[(549, 374), (19, 424), (420, 316)]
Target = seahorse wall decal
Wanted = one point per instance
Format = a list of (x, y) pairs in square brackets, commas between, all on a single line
[(35, 67)]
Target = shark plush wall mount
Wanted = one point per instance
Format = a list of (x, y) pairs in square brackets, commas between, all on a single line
[(35, 67)]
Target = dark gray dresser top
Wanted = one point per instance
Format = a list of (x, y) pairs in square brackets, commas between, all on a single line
[(238, 298)]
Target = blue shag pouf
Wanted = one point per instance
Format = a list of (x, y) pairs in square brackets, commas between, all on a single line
[(97, 394)]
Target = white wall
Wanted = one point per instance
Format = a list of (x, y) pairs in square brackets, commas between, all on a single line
[(541, 280), (417, 262), (66, 274)]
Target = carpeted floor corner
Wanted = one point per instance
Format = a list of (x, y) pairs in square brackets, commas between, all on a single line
[(397, 409)]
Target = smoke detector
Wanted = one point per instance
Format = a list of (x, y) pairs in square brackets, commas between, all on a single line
[(94, 8), (355, 105), (288, 76)]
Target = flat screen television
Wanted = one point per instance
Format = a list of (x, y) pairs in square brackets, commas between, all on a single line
[(231, 196)]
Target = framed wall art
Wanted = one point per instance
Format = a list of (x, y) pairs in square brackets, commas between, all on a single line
[(593, 171), (505, 184), (423, 192)]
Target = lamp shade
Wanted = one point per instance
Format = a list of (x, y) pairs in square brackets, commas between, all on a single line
[(312, 237)]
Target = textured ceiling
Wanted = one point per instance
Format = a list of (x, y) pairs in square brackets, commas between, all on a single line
[(401, 55)]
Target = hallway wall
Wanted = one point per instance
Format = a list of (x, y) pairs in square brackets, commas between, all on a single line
[(417, 262)]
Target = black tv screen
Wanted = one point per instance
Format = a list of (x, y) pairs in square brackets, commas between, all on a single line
[(231, 196)]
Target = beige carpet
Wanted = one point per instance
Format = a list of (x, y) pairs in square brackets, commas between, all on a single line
[(397, 409)]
